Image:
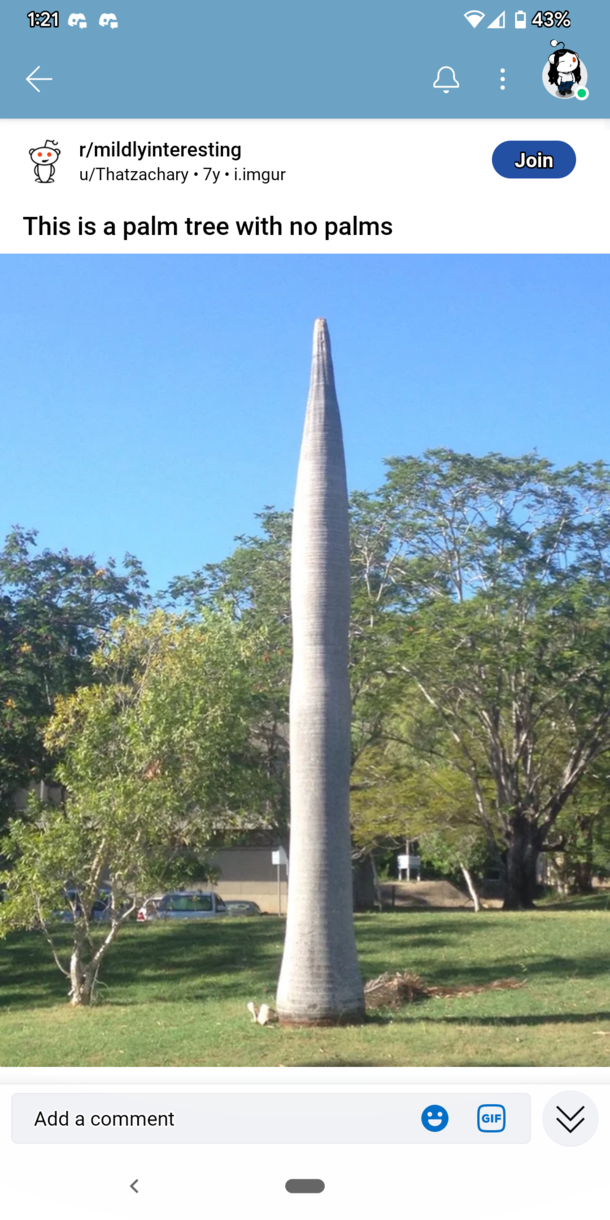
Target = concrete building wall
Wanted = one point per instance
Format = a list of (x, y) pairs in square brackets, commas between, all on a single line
[(248, 872)]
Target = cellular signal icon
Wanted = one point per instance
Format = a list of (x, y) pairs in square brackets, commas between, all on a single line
[(474, 16)]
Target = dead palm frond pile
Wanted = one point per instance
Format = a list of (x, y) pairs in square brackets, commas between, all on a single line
[(394, 990)]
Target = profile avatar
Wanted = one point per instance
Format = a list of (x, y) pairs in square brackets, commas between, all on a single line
[(564, 71), (44, 159)]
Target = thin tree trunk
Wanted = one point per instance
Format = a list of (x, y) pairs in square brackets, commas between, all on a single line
[(471, 889), (320, 980), (81, 980), (83, 975)]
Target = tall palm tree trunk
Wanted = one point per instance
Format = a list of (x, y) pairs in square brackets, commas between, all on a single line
[(320, 979)]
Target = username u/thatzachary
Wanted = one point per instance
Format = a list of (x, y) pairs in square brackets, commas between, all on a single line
[(103, 173)]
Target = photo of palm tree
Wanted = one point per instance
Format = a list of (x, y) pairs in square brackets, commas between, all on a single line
[(304, 662)]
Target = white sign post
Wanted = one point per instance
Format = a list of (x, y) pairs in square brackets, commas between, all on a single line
[(278, 858), (409, 864)]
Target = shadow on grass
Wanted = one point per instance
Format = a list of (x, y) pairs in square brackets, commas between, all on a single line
[(187, 963), (411, 1013), (481, 974), (347, 1061), (582, 902), (237, 961)]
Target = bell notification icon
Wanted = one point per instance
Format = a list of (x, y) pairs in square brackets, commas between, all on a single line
[(446, 79)]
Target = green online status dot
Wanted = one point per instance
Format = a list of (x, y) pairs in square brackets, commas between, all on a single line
[(582, 92)]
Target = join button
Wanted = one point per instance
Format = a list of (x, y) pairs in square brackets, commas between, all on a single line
[(524, 159)]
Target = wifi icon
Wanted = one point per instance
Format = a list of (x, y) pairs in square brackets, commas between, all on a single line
[(474, 16)]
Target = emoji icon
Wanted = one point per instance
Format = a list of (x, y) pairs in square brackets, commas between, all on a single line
[(435, 1118)]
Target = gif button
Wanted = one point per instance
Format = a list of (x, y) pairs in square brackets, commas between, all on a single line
[(491, 1118), (543, 159)]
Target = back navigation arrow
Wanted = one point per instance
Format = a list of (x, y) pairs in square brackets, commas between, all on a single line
[(31, 78), (134, 1187)]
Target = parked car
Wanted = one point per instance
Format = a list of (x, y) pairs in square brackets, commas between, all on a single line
[(100, 910), (183, 904), (237, 906)]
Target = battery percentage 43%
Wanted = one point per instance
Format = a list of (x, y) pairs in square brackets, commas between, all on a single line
[(550, 19)]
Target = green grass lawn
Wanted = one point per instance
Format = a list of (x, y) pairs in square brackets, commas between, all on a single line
[(176, 995)]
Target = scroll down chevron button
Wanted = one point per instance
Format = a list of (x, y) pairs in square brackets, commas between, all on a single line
[(570, 1118)]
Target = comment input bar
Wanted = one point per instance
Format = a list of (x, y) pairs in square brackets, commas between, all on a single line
[(271, 1118)]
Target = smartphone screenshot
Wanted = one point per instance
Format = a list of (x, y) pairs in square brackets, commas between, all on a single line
[(304, 610)]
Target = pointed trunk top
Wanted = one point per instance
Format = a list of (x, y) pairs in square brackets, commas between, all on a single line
[(320, 580), (322, 433), (322, 391), (322, 413)]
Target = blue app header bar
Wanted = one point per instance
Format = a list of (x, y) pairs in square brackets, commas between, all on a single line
[(322, 59)]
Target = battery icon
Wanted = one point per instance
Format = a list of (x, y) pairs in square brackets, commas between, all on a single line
[(520, 19)]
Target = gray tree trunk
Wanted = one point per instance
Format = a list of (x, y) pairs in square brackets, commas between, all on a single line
[(366, 886), (320, 980)]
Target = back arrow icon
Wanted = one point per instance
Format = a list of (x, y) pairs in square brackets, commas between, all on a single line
[(134, 1187), (38, 90)]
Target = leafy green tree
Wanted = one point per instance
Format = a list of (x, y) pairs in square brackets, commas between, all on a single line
[(501, 625), (52, 606), (158, 762), (253, 585)]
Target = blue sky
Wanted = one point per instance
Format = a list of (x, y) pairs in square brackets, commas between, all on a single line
[(155, 403)]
